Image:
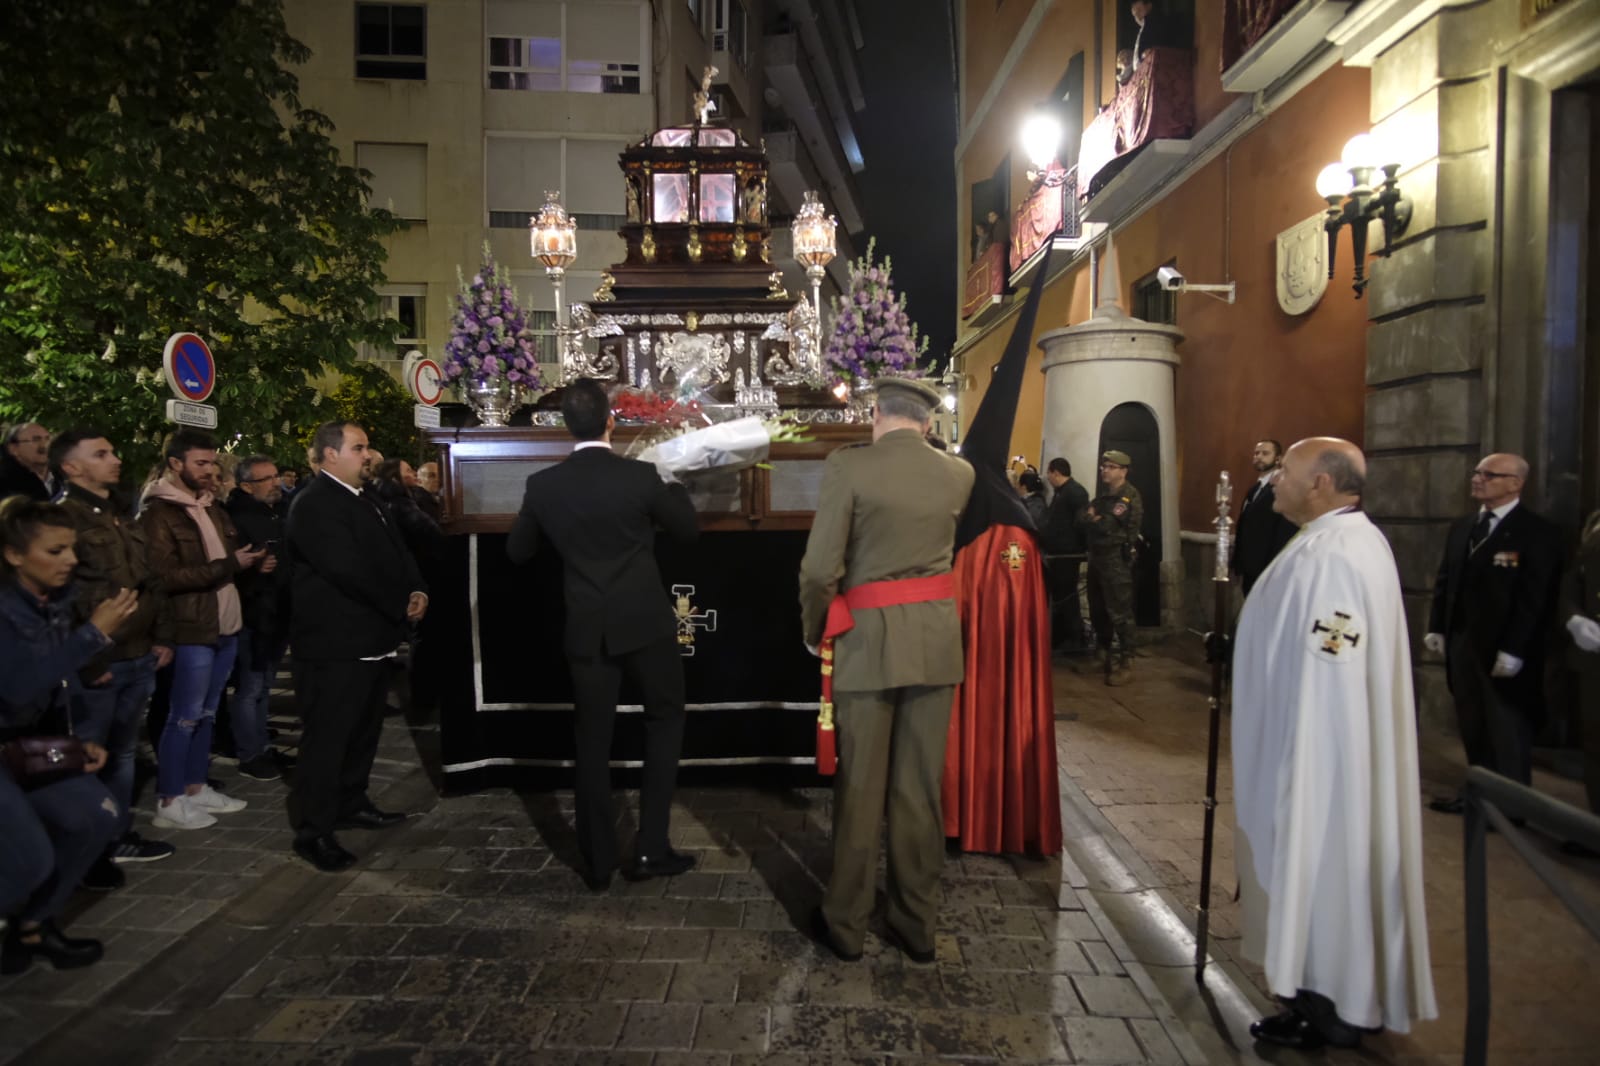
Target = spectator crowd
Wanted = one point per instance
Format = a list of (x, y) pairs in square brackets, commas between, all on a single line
[(141, 635)]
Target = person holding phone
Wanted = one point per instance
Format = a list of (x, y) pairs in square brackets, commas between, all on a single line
[(51, 831), (264, 597)]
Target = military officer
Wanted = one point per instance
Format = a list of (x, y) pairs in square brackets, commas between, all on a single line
[(1111, 523), (876, 582)]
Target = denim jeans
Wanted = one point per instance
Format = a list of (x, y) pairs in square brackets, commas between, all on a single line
[(258, 665), (48, 839), (110, 715), (200, 671)]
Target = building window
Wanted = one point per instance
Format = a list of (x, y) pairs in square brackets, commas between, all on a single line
[(407, 305), (598, 76), (731, 32), (397, 177), (392, 41), (1153, 302), (532, 63)]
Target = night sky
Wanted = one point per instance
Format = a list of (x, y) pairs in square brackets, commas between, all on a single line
[(908, 138)]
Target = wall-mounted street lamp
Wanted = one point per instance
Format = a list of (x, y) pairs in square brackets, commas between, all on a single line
[(1347, 187), (814, 247)]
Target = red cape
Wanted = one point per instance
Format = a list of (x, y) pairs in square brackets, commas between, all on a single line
[(1000, 787)]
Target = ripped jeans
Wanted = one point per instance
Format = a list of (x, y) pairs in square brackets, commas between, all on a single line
[(199, 673)]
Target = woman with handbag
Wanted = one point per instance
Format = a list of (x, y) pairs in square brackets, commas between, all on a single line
[(55, 815)]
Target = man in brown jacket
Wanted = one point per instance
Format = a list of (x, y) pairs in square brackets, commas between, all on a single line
[(117, 684), (882, 540), (194, 554)]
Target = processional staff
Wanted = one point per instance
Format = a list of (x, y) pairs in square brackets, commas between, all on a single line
[(1217, 653)]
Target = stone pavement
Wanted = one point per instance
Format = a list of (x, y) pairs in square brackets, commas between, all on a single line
[(1133, 764), (466, 936)]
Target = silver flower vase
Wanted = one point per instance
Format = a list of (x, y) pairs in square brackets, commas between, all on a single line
[(861, 399), (493, 400)]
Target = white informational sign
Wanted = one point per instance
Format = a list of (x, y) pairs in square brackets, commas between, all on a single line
[(184, 413), (425, 417)]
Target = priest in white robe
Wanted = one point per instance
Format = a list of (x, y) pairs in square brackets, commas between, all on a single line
[(1329, 840)]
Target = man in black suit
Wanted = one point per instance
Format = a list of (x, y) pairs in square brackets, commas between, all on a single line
[(600, 512), (1064, 548), (1261, 532), (354, 587), (1491, 607)]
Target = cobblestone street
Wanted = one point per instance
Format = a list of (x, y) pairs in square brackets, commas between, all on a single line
[(466, 936)]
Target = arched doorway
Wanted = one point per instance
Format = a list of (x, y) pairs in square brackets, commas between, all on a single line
[(1131, 428)]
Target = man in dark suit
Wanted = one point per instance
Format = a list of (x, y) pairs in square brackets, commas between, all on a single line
[(354, 587), (1491, 607), (1261, 532), (1064, 548), (600, 512)]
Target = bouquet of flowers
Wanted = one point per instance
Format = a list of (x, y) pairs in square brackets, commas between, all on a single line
[(488, 336), (872, 334)]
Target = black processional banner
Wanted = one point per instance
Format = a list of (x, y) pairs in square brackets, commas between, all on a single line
[(506, 695)]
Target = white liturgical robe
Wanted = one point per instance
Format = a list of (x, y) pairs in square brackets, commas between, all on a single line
[(1329, 841)]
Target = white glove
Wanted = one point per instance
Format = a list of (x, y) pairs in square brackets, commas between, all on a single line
[(815, 649), (1506, 665), (1434, 642), (1585, 632)]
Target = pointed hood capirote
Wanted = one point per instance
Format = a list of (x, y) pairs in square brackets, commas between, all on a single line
[(988, 440)]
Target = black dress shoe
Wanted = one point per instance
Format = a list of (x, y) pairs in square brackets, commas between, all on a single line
[(1452, 805), (668, 863), (324, 852), (1288, 1029), (64, 952), (598, 882), (824, 936), (370, 818), (916, 955)]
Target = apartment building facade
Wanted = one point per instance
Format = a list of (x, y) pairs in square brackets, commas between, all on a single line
[(465, 112), (1472, 329)]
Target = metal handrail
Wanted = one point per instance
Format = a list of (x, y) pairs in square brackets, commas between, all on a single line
[(1492, 800)]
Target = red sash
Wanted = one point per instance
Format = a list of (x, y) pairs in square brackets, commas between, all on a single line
[(840, 621)]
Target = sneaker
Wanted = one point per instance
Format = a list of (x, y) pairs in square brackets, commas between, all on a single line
[(263, 767), (135, 848), (104, 876), (209, 799), (181, 813)]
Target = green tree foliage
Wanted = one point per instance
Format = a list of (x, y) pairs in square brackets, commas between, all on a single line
[(159, 173)]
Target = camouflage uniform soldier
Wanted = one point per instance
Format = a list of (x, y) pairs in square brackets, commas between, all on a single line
[(1111, 523)]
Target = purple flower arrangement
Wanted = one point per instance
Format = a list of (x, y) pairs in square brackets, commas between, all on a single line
[(488, 332), (872, 334)]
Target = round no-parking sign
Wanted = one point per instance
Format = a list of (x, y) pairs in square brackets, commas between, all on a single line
[(191, 371)]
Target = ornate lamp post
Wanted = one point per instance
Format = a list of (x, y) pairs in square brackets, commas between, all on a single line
[(554, 239), (814, 245)]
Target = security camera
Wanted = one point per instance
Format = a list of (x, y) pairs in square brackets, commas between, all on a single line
[(1170, 279)]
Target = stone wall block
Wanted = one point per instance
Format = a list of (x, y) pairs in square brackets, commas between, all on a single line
[(1416, 549), (1450, 265), (1437, 340), (1465, 190), (1448, 482), (1394, 485), (1436, 712), (1437, 412), (1405, 71), (1466, 115)]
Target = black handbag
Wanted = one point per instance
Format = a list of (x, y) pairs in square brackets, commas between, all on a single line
[(35, 762)]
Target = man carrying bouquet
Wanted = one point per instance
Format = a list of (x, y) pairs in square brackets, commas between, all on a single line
[(875, 583), (600, 512)]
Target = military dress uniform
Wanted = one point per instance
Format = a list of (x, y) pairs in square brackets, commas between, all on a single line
[(1111, 545), (1580, 598), (887, 513)]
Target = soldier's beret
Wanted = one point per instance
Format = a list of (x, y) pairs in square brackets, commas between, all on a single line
[(924, 391), (1114, 456)]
